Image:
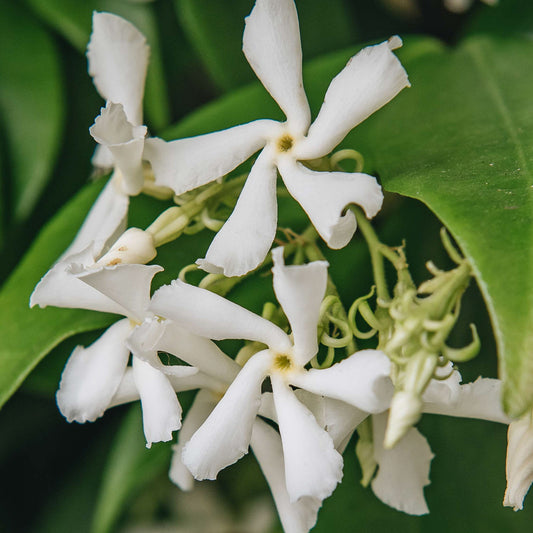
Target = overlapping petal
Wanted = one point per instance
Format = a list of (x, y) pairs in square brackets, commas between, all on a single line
[(324, 196), (296, 517), (312, 465), (244, 240), (118, 60), (224, 437), (361, 380), (116, 284), (105, 221), (92, 375), (200, 409), (185, 164), (371, 78), (403, 471), (300, 290), (209, 315), (271, 43), (125, 142), (160, 407)]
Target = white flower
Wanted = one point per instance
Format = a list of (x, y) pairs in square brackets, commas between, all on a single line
[(460, 6), (271, 44), (403, 471), (118, 59), (312, 466), (519, 464)]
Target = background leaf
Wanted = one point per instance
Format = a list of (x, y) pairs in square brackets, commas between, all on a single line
[(31, 110)]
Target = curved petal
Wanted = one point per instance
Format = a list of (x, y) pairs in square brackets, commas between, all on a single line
[(118, 60), (324, 195), (160, 406), (297, 517), (224, 437), (102, 158), (60, 287), (300, 290), (403, 471), (481, 399), (245, 239), (200, 409), (209, 315), (105, 221), (186, 164), (312, 465), (92, 375), (271, 43), (125, 142), (116, 283), (361, 380), (519, 462), (371, 78)]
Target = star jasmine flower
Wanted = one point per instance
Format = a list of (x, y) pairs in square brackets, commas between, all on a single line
[(312, 465), (403, 471), (271, 43), (117, 54), (93, 376)]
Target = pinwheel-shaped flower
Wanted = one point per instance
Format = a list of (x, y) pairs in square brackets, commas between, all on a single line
[(271, 44), (312, 466), (118, 59)]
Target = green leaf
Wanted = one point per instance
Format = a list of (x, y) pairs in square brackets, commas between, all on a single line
[(130, 466), (29, 334), (72, 19), (215, 30), (509, 18), (461, 141), (31, 107)]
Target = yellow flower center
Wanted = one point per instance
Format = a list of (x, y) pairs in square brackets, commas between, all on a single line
[(285, 143), (282, 362)]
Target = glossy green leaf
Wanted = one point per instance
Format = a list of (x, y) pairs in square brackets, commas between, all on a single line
[(460, 140), (72, 19), (215, 30), (29, 334), (31, 105), (130, 466)]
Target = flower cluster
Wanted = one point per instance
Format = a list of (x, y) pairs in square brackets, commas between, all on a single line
[(296, 419)]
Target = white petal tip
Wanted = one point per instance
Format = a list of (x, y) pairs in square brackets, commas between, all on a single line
[(209, 267), (395, 42)]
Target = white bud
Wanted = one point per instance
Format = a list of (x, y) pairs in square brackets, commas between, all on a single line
[(519, 462), (134, 246), (405, 411)]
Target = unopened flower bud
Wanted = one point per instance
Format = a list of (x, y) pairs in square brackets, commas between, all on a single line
[(405, 411), (134, 246)]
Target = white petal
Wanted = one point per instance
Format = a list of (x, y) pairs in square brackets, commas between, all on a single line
[(118, 59), (271, 43), (300, 290), (312, 465), (338, 418), (371, 78), (60, 287), (297, 517), (102, 158), (93, 374), (403, 471), (324, 195), (105, 221), (245, 239), (481, 399), (209, 315), (186, 164), (125, 141), (361, 380), (160, 406), (154, 335), (200, 409), (519, 463), (224, 437), (116, 283)]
